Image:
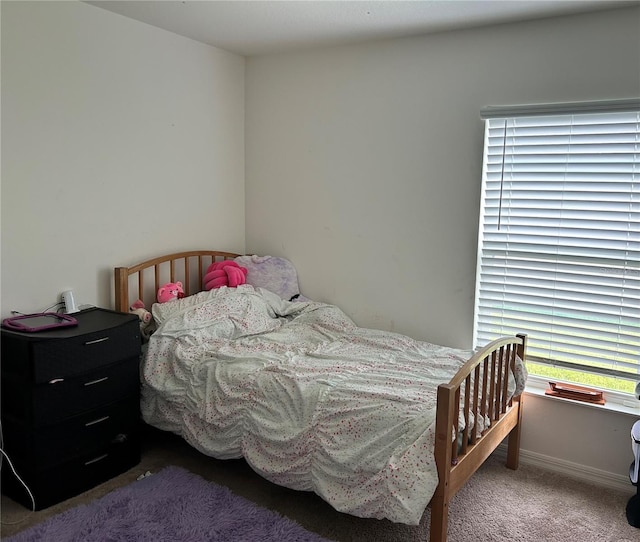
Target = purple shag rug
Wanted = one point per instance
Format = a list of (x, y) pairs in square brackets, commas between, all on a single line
[(172, 505)]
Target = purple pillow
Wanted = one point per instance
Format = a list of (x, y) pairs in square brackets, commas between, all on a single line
[(278, 275)]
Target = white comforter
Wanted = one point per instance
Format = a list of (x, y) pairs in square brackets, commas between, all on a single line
[(309, 399)]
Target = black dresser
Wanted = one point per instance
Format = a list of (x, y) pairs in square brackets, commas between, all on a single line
[(70, 405)]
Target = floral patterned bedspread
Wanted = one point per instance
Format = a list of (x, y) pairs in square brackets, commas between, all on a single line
[(309, 399)]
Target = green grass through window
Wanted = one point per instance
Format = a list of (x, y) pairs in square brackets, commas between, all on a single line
[(580, 378)]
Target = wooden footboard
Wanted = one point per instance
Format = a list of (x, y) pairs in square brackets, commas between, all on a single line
[(479, 389), (142, 280)]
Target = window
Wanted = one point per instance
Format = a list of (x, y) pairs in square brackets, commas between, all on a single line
[(559, 242)]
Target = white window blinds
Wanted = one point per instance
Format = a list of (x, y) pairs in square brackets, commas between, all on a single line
[(559, 244)]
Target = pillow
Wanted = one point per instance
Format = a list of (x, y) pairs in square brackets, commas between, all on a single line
[(278, 275)]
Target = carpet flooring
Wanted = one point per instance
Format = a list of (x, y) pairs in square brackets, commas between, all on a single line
[(496, 505)]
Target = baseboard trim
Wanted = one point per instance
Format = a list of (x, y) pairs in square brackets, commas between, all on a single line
[(576, 471)]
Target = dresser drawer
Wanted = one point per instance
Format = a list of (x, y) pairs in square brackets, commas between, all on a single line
[(101, 337), (65, 358), (77, 436), (58, 483), (63, 398)]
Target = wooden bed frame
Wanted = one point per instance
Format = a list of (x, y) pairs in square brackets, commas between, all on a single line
[(480, 386)]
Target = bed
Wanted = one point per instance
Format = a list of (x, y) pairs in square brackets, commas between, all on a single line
[(376, 423)]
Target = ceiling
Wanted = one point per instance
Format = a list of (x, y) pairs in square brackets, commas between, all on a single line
[(255, 27)]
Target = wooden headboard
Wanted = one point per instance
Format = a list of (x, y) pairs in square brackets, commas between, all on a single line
[(141, 281)]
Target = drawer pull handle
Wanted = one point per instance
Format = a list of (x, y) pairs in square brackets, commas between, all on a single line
[(99, 458), (96, 381), (99, 420), (56, 381), (96, 341)]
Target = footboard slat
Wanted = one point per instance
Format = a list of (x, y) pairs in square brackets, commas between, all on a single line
[(485, 384), (498, 380), (505, 377), (492, 387), (466, 412), (476, 393)]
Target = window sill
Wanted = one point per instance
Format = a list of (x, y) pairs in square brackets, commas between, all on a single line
[(623, 403)]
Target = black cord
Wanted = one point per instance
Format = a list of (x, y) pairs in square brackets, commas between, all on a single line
[(58, 304)]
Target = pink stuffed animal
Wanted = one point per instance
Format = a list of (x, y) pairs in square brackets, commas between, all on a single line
[(225, 273), (170, 291), (147, 326), (142, 313)]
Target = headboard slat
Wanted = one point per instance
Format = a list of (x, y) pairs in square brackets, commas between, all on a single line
[(140, 282)]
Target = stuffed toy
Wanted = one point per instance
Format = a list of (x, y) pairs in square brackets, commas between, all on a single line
[(170, 291), (147, 326), (225, 273)]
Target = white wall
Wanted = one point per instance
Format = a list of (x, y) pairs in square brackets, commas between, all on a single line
[(120, 142), (364, 162), (363, 166), (590, 442)]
